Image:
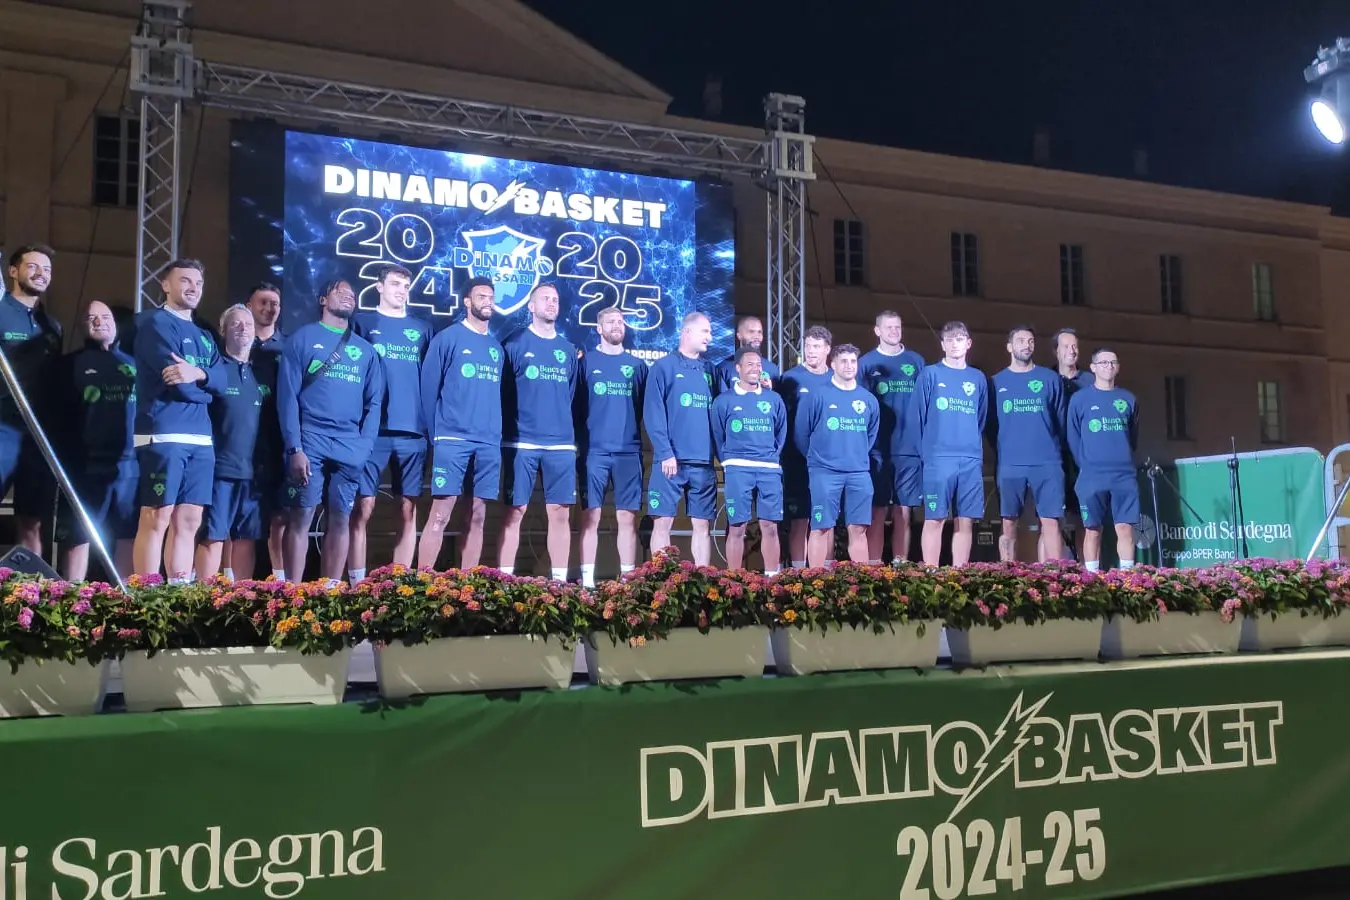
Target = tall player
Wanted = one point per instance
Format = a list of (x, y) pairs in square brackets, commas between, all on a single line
[(677, 411), (539, 433), (890, 373), (264, 301), (401, 341), (1028, 422), (951, 405), (795, 384), (611, 408), (749, 335), (1065, 345), (462, 406), (1104, 433)]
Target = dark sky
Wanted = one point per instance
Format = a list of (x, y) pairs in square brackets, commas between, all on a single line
[(1212, 88)]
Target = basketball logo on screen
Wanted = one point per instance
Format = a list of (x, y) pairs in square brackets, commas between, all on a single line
[(511, 259)]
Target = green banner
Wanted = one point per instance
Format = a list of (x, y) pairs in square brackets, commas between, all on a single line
[(1283, 507), (1055, 782)]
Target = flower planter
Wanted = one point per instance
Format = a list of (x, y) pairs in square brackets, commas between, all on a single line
[(799, 651), (487, 663), (53, 688), (684, 653), (1173, 634), (232, 676), (1293, 630), (1058, 639)]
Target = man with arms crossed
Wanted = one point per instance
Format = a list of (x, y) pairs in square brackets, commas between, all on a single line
[(610, 406), (269, 464), (462, 406), (1103, 434), (1065, 345), (749, 426), (677, 410), (1028, 424), (890, 372), (795, 385), (401, 341), (750, 335), (328, 395), (951, 405), (837, 429), (178, 369), (539, 433)]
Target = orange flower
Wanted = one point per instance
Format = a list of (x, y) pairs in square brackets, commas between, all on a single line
[(447, 610), (789, 615), (713, 594), (309, 615), (341, 626), (520, 607), (288, 624), (316, 628), (405, 590), (399, 569)]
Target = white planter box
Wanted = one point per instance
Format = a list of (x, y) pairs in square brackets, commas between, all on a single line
[(1054, 640), (488, 663), (685, 653), (797, 651), (1172, 634), (1293, 630), (232, 676), (53, 689)]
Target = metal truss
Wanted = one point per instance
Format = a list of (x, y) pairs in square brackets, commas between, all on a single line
[(790, 168)]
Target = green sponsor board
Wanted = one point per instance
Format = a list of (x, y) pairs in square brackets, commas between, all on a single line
[(1283, 507), (1067, 782)]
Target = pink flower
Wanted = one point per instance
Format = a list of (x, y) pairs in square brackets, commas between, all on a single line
[(81, 607), (367, 615), (25, 618), (1001, 611)]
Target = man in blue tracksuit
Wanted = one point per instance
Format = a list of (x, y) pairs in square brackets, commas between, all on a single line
[(401, 340), (178, 371), (795, 386), (749, 427), (749, 336), (1028, 433), (1065, 345), (328, 398), (676, 412), (951, 406), (95, 443), (32, 342), (269, 457), (462, 406), (610, 406), (890, 373), (836, 430), (539, 433), (235, 514), (1103, 435)]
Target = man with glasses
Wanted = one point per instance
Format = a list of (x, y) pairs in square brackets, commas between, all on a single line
[(1103, 430)]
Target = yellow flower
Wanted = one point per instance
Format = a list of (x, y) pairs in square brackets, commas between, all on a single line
[(520, 607), (789, 615), (405, 590), (399, 569), (316, 628), (309, 615)]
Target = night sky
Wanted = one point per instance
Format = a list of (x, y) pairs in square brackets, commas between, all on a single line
[(1213, 89)]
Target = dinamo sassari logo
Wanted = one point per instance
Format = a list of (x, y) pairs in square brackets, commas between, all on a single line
[(510, 259)]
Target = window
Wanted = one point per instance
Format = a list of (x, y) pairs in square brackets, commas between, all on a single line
[(1169, 274), (965, 265), (1174, 392), (848, 251), (117, 160), (1071, 291), (1263, 292), (1268, 408)]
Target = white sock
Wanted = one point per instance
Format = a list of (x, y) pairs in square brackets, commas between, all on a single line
[(799, 564), (356, 574), (1092, 565), (1127, 564), (333, 582), (624, 570), (507, 570), (874, 562), (769, 573), (559, 574), (178, 579), (279, 574), (228, 573), (588, 574)]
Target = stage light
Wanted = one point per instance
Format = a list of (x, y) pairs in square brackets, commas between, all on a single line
[(1331, 71), (1325, 118)]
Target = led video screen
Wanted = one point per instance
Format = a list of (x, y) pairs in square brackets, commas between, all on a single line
[(307, 208)]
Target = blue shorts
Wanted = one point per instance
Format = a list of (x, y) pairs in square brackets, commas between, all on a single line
[(1113, 494), (695, 482), (173, 474), (899, 482), (623, 471), (23, 468), (558, 468), (236, 511), (1047, 490), (406, 457), (332, 482), (454, 463), (110, 498), (832, 492), (953, 487), (796, 488), (1073, 510), (744, 485)]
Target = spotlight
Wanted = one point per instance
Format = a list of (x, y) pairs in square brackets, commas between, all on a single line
[(1331, 71)]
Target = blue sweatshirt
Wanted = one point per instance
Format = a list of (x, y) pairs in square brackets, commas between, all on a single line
[(166, 411), (462, 386), (101, 384), (951, 407), (749, 427), (269, 454), (726, 372), (235, 416), (611, 404), (1028, 420), (1103, 430), (836, 429), (794, 386), (891, 378), (32, 342), (538, 391), (401, 342), (677, 409), (341, 407)]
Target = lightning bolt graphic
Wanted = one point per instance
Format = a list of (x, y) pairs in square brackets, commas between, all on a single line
[(506, 196), (1003, 743)]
